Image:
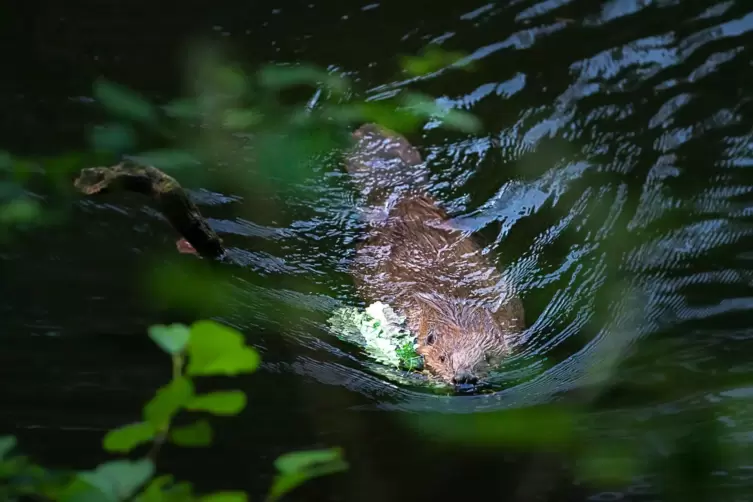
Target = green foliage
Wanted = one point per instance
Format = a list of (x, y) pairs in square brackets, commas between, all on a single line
[(219, 403), (296, 468), (280, 77), (124, 102), (19, 211), (7, 443), (542, 426), (119, 479), (188, 286), (196, 434), (211, 349), (225, 497), (215, 349), (168, 159), (433, 58), (168, 401), (172, 339), (113, 137), (425, 107), (128, 437)]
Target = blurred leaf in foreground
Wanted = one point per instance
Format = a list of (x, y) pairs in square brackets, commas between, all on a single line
[(19, 211), (215, 349), (126, 438), (285, 158), (167, 159), (384, 113), (168, 401), (278, 77), (298, 467), (608, 463), (427, 107), (543, 426), (157, 491), (113, 137), (119, 479), (219, 403), (172, 339), (123, 102), (196, 434), (7, 443), (206, 292), (225, 497), (432, 59)]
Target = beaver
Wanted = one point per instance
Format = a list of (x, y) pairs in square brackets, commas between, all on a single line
[(463, 311)]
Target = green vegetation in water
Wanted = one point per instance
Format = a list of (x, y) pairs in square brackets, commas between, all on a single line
[(206, 348), (381, 332)]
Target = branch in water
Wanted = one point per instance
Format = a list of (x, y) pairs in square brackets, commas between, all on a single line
[(173, 202)]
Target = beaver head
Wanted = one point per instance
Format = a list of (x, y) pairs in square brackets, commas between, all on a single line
[(460, 342)]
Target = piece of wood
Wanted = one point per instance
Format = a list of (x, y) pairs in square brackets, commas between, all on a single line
[(173, 202)]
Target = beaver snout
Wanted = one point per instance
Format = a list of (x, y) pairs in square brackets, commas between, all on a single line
[(464, 377)]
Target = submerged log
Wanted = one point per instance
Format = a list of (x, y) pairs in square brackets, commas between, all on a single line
[(173, 202)]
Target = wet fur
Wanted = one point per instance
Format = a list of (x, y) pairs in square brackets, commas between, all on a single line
[(463, 310)]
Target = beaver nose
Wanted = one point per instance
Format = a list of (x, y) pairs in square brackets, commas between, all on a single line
[(464, 377)]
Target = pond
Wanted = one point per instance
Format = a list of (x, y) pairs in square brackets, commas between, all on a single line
[(612, 181)]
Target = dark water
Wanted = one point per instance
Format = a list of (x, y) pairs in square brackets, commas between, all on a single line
[(612, 182)]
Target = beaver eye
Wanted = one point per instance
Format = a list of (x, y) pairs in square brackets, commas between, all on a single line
[(431, 339), (442, 359)]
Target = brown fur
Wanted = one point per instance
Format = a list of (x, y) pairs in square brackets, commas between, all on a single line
[(462, 309)]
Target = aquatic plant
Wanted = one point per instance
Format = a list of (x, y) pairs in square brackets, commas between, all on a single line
[(380, 332)]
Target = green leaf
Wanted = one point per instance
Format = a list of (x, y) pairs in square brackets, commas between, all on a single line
[(114, 137), (187, 286), (433, 59), (79, 490), (6, 161), (126, 438), (167, 159), (427, 107), (225, 497), (220, 403), (7, 443), (183, 109), (385, 114), (215, 349), (229, 81), (277, 77), (164, 489), (286, 156), (172, 338), (119, 479), (462, 121), (13, 466), (306, 459), (241, 119), (123, 101), (179, 492), (21, 210), (153, 491), (298, 467), (529, 427), (197, 434), (168, 400)]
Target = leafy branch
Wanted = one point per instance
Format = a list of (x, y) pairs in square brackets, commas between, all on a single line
[(206, 348)]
